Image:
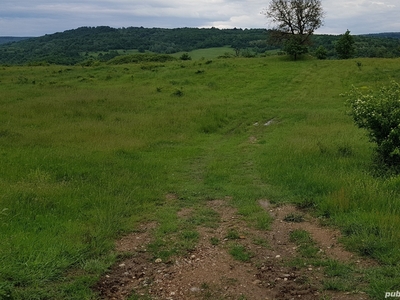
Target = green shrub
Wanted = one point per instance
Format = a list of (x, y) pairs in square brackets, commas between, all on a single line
[(379, 113), (321, 52), (185, 56)]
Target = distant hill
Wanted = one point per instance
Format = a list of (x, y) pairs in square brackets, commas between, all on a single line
[(395, 35), (104, 43), (10, 39)]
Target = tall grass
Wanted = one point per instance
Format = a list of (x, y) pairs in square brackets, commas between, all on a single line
[(88, 153)]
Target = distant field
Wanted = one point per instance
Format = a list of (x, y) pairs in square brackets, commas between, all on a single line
[(87, 154), (208, 53)]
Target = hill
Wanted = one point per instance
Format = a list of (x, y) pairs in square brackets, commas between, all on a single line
[(77, 45), (10, 39)]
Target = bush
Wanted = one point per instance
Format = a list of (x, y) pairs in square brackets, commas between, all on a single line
[(321, 52), (379, 113), (185, 56)]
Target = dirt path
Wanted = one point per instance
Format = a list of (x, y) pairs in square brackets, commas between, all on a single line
[(268, 264)]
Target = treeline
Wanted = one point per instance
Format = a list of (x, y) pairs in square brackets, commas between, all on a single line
[(73, 46), (77, 45), (10, 39), (384, 45)]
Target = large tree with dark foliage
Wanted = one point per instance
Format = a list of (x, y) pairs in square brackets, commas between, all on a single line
[(295, 21)]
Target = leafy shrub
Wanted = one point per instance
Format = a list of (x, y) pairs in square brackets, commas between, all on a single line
[(185, 56), (379, 113), (321, 52)]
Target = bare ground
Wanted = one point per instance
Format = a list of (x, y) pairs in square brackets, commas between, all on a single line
[(211, 272)]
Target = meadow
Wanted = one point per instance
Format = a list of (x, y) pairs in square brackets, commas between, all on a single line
[(88, 153)]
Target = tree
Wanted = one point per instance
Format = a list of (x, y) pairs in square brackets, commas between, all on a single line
[(296, 21), (345, 46), (321, 52), (295, 47)]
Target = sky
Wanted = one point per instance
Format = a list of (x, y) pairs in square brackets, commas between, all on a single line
[(40, 17)]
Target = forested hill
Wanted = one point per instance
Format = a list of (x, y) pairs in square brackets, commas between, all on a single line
[(71, 46), (77, 45), (395, 35), (10, 39)]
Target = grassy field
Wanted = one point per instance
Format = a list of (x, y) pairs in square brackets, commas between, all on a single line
[(208, 53), (87, 154)]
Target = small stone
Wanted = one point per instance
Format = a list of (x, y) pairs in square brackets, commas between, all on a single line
[(193, 256), (257, 281), (309, 269), (122, 265), (277, 256), (158, 260)]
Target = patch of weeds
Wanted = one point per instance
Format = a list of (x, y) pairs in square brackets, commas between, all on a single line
[(232, 234), (190, 235), (261, 242), (306, 246), (309, 251), (334, 268), (336, 284), (296, 262), (240, 253), (204, 217), (188, 240), (162, 249), (6, 290), (214, 241), (308, 203), (382, 279), (300, 236), (205, 286), (294, 218), (178, 93), (95, 266), (263, 221)]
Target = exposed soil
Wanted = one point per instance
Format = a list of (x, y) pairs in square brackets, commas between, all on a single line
[(211, 272)]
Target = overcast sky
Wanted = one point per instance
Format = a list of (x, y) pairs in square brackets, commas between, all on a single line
[(39, 17)]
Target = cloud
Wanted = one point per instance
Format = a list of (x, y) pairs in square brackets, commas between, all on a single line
[(33, 18)]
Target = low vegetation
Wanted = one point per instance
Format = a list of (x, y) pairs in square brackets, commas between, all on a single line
[(87, 153)]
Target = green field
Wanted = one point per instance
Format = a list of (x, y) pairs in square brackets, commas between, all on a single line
[(88, 153), (208, 53)]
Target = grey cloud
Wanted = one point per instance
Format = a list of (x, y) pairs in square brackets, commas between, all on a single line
[(22, 17)]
